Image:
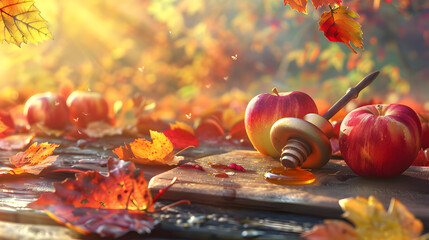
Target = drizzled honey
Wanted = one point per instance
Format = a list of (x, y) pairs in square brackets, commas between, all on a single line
[(292, 176)]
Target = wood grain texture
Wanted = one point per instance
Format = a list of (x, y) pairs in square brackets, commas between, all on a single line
[(334, 181)]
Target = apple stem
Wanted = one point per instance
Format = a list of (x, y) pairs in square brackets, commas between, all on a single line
[(275, 91), (352, 93)]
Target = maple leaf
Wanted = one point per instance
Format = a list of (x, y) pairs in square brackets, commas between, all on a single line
[(21, 22), (34, 159), (339, 25), (16, 141), (181, 135), (108, 205), (371, 221), (157, 152), (104, 222), (301, 5)]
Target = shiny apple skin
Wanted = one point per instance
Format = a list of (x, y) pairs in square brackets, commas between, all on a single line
[(87, 107), (265, 109), (380, 141), (48, 109)]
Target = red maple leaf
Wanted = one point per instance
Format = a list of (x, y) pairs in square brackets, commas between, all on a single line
[(181, 138), (109, 205)]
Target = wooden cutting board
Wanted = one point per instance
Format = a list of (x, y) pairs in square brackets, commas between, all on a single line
[(334, 181)]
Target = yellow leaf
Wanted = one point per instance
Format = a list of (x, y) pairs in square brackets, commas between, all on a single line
[(21, 22), (34, 159), (338, 25), (373, 222), (157, 152)]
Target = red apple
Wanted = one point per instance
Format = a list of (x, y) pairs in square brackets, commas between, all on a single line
[(380, 140), (424, 119), (48, 109), (87, 107), (265, 109)]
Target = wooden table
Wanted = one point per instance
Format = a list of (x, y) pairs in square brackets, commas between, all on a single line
[(195, 221), (220, 208)]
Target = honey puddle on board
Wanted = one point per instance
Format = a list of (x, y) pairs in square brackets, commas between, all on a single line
[(285, 176)]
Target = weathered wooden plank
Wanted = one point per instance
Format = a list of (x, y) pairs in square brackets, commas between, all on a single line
[(333, 182)]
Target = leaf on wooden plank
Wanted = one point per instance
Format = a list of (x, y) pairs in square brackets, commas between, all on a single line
[(109, 205), (157, 152), (123, 188), (21, 22), (181, 138), (112, 223), (301, 5), (100, 129), (371, 221), (182, 125), (332, 229), (34, 159), (339, 25), (16, 141)]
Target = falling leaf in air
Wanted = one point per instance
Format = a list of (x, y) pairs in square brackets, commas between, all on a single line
[(339, 25), (157, 152), (371, 221), (301, 5), (21, 22), (33, 160), (109, 205)]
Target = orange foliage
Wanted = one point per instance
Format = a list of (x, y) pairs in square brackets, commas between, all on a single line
[(339, 25), (34, 159), (157, 152)]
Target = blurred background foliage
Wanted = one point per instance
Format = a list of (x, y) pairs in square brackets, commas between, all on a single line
[(193, 56)]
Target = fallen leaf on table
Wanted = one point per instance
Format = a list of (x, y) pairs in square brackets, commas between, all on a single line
[(157, 152), (102, 129), (371, 221), (21, 22), (301, 5), (332, 229), (16, 141), (109, 205), (104, 222), (182, 125), (33, 160), (339, 25), (209, 128), (181, 138)]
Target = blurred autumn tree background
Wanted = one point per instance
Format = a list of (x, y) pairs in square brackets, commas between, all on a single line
[(193, 56)]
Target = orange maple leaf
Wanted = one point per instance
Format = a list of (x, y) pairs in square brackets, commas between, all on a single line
[(339, 25), (34, 159), (301, 5), (21, 22), (157, 152)]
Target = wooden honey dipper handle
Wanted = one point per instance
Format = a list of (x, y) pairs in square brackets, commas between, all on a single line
[(352, 93)]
